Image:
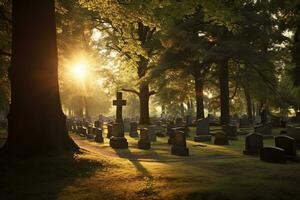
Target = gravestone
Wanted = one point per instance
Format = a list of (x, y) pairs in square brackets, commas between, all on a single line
[(294, 132), (276, 121), (90, 136), (169, 128), (202, 131), (152, 133), (244, 122), (284, 121), (265, 130), (98, 124), (83, 131), (109, 130), (221, 139), (253, 144), (133, 130), (90, 129), (119, 103), (256, 120), (272, 154), (297, 116), (230, 131), (172, 136), (288, 144), (99, 137), (179, 148), (171, 139), (188, 119), (179, 122), (144, 141), (118, 141), (212, 120)]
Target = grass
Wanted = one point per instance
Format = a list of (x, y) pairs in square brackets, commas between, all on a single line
[(210, 173)]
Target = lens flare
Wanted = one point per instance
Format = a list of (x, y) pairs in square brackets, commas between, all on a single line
[(79, 70)]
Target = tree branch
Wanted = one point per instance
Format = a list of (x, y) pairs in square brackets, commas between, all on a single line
[(131, 90), (152, 93)]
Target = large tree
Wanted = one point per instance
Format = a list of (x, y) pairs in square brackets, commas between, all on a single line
[(36, 123)]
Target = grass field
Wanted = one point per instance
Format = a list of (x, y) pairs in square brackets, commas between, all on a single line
[(210, 173)]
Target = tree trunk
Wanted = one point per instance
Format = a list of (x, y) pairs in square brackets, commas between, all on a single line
[(295, 55), (224, 91), (199, 97), (249, 103), (182, 109), (144, 103), (36, 123)]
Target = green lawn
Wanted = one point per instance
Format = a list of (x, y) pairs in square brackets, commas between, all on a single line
[(210, 172)]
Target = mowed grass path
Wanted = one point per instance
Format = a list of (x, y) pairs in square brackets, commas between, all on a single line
[(210, 172)]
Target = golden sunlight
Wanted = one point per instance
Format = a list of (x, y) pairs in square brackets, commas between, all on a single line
[(79, 70)]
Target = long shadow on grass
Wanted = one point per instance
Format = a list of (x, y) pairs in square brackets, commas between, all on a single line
[(43, 177), (135, 161)]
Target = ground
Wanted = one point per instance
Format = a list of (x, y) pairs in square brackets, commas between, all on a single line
[(99, 172)]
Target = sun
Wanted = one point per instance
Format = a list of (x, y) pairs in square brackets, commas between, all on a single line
[(79, 70)]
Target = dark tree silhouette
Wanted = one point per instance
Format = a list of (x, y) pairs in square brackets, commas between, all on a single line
[(36, 123)]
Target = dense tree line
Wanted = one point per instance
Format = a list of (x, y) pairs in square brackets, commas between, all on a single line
[(208, 55)]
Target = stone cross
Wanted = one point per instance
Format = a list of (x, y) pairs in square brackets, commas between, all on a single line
[(119, 103)]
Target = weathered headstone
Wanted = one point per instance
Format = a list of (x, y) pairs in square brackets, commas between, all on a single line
[(264, 129), (244, 122), (272, 154), (133, 130), (294, 132), (213, 120), (179, 122), (169, 128), (297, 116), (152, 133), (253, 144), (118, 141), (171, 139), (188, 119), (288, 144), (172, 136), (119, 103), (144, 141), (90, 130), (221, 139), (98, 124), (230, 131), (234, 120), (99, 137), (276, 121), (202, 130), (83, 131), (179, 147)]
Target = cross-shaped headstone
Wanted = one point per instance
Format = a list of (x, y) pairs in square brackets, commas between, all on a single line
[(119, 103)]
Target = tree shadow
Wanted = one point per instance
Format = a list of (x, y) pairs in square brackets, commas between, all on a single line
[(126, 153), (43, 177)]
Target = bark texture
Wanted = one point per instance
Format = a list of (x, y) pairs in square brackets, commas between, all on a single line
[(36, 123)]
